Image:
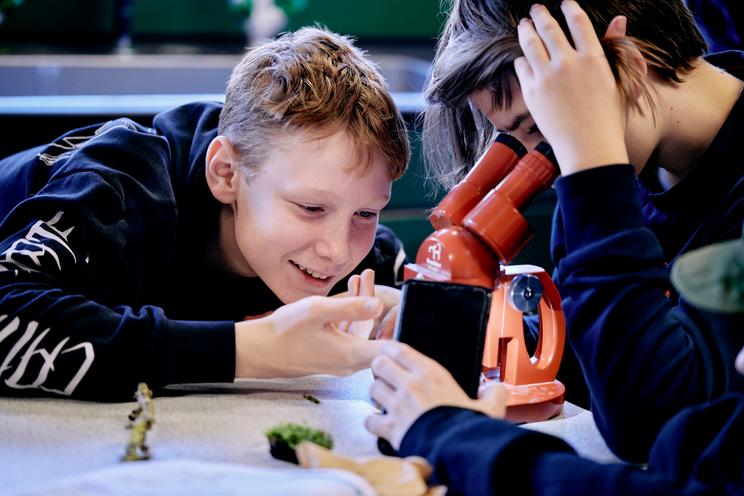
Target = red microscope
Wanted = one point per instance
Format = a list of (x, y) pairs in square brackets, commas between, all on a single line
[(463, 305)]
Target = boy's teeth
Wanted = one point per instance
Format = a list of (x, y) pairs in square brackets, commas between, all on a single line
[(308, 271)]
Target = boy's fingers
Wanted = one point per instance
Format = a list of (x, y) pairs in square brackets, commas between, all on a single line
[(353, 285), (553, 37), (583, 34), (367, 283), (408, 358), (523, 69), (364, 351), (382, 393), (532, 46), (323, 310), (379, 425), (386, 329), (386, 369)]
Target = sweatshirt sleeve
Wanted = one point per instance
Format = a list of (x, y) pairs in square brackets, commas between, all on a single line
[(473, 454), (76, 257), (644, 358)]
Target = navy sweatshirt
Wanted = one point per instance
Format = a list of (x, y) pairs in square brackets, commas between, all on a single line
[(105, 278), (644, 354), (698, 452)]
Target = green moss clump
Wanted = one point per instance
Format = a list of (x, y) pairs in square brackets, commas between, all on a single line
[(294, 434)]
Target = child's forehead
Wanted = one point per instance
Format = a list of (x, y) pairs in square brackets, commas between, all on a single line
[(336, 142)]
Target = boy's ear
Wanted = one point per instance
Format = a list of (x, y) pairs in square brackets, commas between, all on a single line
[(223, 170), (639, 65), (618, 29)]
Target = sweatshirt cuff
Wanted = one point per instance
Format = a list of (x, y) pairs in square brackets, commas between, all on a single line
[(471, 453), (421, 437), (598, 203), (199, 352)]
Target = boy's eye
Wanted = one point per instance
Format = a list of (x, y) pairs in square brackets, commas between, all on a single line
[(365, 214), (310, 208), (533, 130)]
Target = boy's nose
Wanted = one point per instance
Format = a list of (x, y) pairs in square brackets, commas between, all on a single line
[(335, 245)]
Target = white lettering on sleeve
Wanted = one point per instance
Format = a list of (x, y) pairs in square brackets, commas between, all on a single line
[(14, 381)]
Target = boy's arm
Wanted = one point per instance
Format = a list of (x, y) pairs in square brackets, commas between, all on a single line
[(644, 358), (472, 453), (83, 245)]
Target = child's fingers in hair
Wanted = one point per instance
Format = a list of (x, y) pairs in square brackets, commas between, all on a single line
[(532, 46), (551, 34), (584, 37), (523, 70)]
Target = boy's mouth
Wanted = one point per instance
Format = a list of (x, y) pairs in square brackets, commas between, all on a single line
[(310, 272)]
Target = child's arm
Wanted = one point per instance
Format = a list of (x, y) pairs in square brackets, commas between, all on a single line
[(81, 257), (301, 339), (644, 357)]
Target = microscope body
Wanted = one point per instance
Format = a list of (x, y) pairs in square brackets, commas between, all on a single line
[(478, 231)]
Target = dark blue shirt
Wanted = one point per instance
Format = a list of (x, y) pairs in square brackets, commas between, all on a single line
[(106, 277), (698, 452)]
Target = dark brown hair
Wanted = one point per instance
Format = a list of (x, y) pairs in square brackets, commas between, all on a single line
[(479, 45), (316, 82)]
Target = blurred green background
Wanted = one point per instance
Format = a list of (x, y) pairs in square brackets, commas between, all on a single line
[(212, 21)]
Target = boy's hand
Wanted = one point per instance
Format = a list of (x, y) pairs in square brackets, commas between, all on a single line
[(408, 383), (571, 92), (383, 326), (300, 339)]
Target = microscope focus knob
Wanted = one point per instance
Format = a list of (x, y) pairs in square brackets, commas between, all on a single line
[(525, 292)]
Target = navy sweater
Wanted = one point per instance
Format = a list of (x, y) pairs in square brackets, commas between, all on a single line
[(644, 354), (698, 452), (105, 278)]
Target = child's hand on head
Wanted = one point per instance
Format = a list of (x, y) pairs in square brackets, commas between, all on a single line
[(571, 92)]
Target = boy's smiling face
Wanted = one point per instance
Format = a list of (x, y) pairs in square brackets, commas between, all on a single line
[(307, 218)]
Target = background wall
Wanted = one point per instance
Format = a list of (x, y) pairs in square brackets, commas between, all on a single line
[(50, 48), (94, 22)]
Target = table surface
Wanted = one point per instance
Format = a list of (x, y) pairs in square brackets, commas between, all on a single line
[(45, 440)]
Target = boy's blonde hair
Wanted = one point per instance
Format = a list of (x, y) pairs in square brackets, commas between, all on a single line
[(316, 82)]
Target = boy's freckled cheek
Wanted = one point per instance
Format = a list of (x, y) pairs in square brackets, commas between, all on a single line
[(364, 241)]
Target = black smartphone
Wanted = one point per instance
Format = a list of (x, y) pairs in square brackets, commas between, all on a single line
[(446, 322)]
